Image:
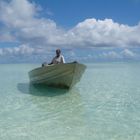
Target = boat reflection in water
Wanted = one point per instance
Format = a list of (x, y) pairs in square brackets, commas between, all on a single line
[(43, 90), (40, 90)]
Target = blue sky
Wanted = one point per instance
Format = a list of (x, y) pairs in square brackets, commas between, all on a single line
[(85, 30), (68, 13)]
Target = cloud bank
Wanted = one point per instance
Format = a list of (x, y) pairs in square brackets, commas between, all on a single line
[(21, 22)]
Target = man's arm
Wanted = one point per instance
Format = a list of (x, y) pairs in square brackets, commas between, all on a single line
[(52, 61)]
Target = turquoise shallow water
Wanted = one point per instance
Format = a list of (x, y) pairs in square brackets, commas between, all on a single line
[(105, 105)]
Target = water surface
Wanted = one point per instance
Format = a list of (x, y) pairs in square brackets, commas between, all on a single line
[(104, 105)]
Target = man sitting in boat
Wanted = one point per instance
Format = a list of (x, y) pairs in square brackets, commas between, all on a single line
[(58, 59)]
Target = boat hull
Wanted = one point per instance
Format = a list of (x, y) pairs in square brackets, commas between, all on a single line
[(60, 75)]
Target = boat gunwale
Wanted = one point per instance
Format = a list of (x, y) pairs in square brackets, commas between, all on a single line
[(54, 65)]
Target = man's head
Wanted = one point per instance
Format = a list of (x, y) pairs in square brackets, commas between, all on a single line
[(58, 52)]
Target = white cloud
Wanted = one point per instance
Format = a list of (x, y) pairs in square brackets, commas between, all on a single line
[(22, 23), (21, 19), (111, 54), (17, 13), (1, 52), (6, 37), (21, 50), (128, 53), (105, 33)]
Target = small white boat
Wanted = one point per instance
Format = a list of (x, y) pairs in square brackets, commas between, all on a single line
[(58, 75)]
